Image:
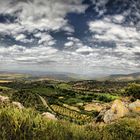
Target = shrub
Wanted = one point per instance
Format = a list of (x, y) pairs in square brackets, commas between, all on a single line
[(125, 129), (28, 99), (133, 90)]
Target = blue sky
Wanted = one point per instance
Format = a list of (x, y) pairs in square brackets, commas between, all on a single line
[(93, 37)]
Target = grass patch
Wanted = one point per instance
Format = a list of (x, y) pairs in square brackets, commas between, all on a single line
[(104, 97), (64, 86), (2, 88), (29, 125)]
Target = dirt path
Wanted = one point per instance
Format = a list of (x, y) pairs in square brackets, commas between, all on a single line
[(45, 104)]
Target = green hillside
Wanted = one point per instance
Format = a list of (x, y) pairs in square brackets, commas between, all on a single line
[(76, 105)]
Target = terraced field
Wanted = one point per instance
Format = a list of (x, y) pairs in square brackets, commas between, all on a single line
[(61, 98), (72, 114)]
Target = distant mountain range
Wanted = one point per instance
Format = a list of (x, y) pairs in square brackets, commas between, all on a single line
[(122, 77), (35, 75), (65, 76)]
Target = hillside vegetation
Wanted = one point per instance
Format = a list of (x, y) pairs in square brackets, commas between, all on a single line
[(83, 110), (27, 124)]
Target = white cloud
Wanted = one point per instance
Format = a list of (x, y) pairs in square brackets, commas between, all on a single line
[(42, 14), (118, 18), (45, 39), (69, 29), (109, 31), (19, 53), (69, 44), (84, 49), (20, 37), (38, 15), (100, 6), (125, 37), (81, 60)]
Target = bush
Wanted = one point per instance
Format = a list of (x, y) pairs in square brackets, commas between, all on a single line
[(28, 99), (133, 90), (106, 97)]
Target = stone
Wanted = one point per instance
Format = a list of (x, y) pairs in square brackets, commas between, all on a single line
[(109, 116), (49, 116), (18, 105), (4, 99), (135, 106)]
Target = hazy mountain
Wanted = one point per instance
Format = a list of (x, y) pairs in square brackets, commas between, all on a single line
[(123, 77)]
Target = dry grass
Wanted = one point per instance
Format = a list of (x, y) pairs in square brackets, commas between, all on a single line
[(94, 107), (71, 107)]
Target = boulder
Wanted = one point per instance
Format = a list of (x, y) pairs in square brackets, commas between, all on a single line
[(135, 106), (109, 116), (117, 110), (4, 99), (49, 116), (18, 105)]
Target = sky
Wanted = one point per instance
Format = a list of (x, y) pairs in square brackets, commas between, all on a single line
[(93, 37)]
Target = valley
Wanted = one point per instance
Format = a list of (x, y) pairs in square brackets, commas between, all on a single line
[(80, 104)]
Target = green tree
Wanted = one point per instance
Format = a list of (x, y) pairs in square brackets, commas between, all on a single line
[(133, 90)]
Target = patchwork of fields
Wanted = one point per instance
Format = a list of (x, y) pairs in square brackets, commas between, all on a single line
[(77, 107)]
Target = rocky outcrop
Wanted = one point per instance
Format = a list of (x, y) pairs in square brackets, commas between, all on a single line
[(117, 110), (6, 100), (135, 106), (109, 116), (49, 115)]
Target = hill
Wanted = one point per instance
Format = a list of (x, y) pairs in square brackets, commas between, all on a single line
[(79, 114), (122, 77)]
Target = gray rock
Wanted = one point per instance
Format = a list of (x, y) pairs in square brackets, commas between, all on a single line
[(116, 111)]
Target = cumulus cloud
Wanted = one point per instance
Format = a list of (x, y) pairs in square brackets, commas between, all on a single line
[(45, 39), (100, 6), (126, 39), (41, 14), (20, 37), (106, 30), (38, 15), (84, 49), (38, 43), (69, 44)]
